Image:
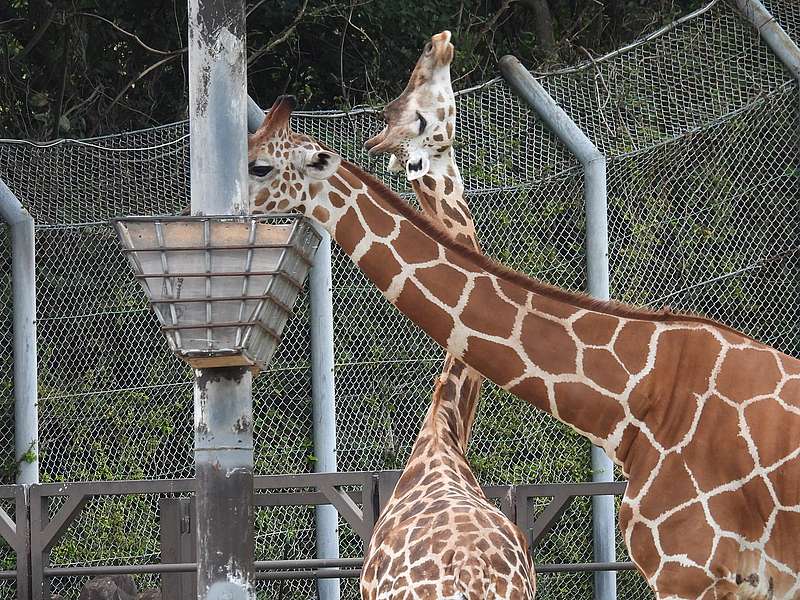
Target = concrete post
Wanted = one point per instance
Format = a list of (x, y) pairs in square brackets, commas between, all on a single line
[(223, 402), (594, 173), (23, 277)]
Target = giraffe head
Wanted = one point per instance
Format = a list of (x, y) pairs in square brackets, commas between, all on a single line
[(282, 164), (420, 123)]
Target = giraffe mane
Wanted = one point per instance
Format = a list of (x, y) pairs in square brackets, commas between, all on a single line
[(578, 299)]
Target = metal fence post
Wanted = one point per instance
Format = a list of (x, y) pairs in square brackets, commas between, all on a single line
[(324, 404), (594, 169), (773, 34), (23, 278), (178, 545), (320, 284), (223, 405)]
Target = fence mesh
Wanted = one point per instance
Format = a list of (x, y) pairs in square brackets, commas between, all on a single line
[(699, 125)]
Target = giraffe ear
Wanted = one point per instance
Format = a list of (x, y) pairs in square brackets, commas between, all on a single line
[(318, 164), (394, 165), (417, 165)]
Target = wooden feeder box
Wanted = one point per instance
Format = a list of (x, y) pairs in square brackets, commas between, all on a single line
[(222, 287)]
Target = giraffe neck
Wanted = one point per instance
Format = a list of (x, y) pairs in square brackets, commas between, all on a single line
[(592, 365), (441, 196), (449, 421)]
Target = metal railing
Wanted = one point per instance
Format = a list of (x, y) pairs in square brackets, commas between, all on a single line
[(357, 497)]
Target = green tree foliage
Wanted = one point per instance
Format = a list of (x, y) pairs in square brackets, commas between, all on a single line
[(77, 68)]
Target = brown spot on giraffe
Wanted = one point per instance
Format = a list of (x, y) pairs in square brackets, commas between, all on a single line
[(594, 330), (732, 464), (755, 373), (378, 220), (429, 182), (431, 318), (321, 214), (495, 318), (727, 507), (433, 276), (380, 254), (336, 200), (632, 344), (315, 188), (604, 369), (349, 230), (548, 344), (580, 405)]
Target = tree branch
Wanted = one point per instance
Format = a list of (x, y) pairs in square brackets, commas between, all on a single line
[(36, 36), (138, 77), (131, 35), (280, 38)]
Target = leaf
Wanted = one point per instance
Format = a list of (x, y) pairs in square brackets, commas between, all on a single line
[(40, 99), (64, 123)]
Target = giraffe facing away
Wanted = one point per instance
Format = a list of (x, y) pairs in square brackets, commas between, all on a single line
[(438, 535), (703, 421)]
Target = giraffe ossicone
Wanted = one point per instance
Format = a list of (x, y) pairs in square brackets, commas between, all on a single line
[(438, 514), (704, 421)]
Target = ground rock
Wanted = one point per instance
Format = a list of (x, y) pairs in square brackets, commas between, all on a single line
[(151, 594), (115, 587)]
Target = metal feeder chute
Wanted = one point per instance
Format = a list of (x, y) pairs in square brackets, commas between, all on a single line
[(222, 287)]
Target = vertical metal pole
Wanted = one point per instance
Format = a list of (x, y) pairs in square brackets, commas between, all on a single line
[(594, 169), (322, 387), (222, 396), (324, 404), (773, 34), (23, 283)]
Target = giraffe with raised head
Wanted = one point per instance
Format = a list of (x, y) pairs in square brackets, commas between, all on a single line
[(438, 535), (703, 421)]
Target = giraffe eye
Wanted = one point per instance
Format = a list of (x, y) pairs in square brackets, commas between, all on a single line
[(422, 123), (259, 170), (428, 48)]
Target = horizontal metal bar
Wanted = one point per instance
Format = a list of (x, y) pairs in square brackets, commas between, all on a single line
[(258, 324), (209, 274), (114, 488), (282, 274), (119, 570), (188, 567), (210, 247), (301, 569), (285, 308), (241, 218), (584, 567), (8, 575), (320, 574), (610, 488)]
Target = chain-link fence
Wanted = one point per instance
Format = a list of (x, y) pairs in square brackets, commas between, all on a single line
[(699, 124)]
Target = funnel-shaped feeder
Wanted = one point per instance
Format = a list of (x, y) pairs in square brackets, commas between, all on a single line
[(222, 287)]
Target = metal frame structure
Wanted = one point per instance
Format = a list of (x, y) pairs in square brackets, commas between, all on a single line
[(359, 505)]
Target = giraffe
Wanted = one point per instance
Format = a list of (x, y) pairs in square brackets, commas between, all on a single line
[(438, 534), (703, 421)]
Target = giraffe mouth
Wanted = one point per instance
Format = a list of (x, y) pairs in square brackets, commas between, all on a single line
[(442, 48), (378, 144)]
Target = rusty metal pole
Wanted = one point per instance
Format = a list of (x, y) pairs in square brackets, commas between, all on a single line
[(223, 403)]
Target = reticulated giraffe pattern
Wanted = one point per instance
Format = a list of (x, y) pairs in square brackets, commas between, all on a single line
[(704, 421), (438, 536)]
